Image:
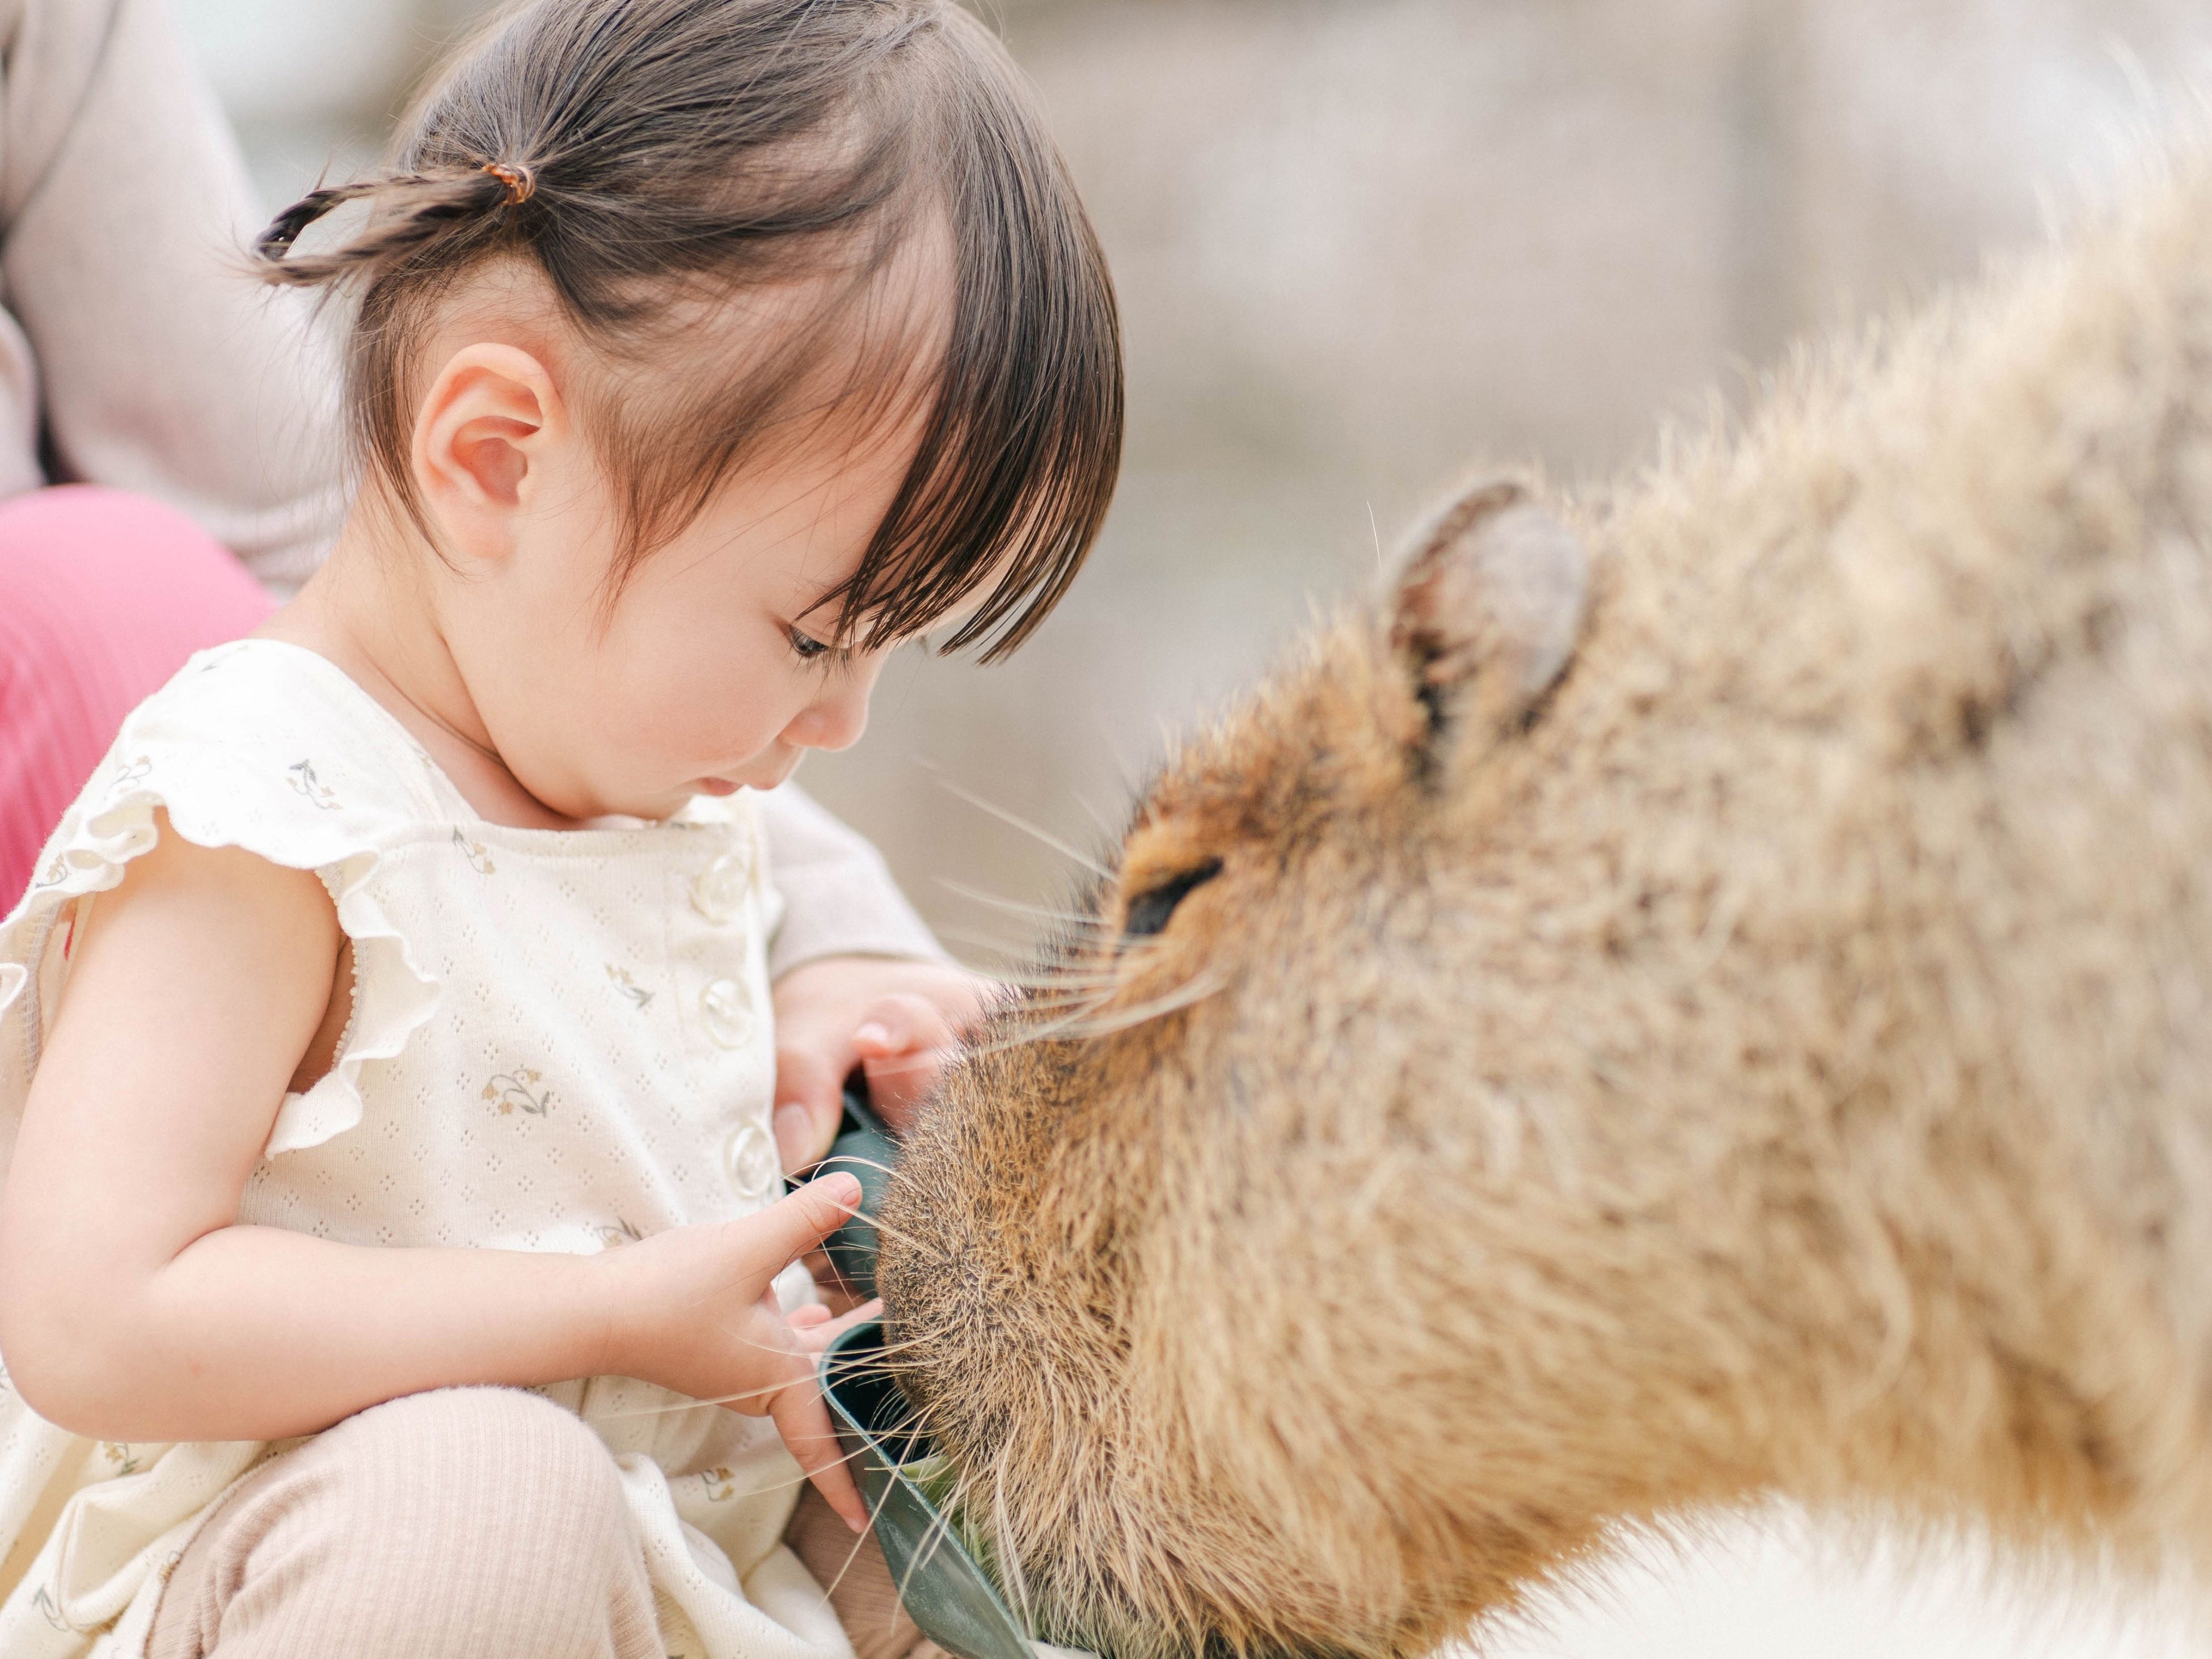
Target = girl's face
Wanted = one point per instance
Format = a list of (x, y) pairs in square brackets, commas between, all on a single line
[(711, 673), (712, 670)]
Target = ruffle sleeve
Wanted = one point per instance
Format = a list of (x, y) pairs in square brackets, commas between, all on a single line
[(231, 765)]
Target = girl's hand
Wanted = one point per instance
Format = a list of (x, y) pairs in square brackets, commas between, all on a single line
[(693, 1309), (824, 1011)]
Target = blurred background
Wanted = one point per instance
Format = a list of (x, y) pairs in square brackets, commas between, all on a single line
[(1362, 246)]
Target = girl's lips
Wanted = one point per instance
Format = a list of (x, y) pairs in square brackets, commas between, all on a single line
[(761, 773)]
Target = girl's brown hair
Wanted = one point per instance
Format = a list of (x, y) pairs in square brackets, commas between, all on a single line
[(647, 156)]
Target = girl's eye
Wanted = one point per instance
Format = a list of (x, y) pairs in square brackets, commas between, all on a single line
[(805, 645)]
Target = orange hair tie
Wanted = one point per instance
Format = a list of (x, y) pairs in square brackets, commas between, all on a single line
[(518, 181)]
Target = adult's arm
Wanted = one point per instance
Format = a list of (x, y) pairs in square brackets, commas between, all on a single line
[(156, 363)]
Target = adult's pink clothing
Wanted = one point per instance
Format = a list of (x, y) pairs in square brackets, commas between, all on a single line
[(103, 594)]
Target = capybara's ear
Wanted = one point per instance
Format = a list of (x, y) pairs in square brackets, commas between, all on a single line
[(1490, 606)]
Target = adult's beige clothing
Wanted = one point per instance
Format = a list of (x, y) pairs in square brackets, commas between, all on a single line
[(132, 335), (134, 338)]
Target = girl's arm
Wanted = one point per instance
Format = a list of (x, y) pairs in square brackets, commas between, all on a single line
[(849, 941), (839, 899), (132, 1307)]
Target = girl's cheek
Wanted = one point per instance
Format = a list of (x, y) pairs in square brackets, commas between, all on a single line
[(721, 724), (702, 701)]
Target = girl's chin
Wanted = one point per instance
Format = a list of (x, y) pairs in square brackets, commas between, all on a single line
[(718, 786)]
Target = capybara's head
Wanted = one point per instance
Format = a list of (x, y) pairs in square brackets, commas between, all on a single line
[(1185, 1238), (1614, 1025)]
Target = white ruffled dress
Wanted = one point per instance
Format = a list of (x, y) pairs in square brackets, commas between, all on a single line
[(559, 1040)]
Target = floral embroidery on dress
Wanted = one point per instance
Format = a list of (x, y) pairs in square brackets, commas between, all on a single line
[(477, 854), (518, 1091), (629, 987), (119, 1454), (721, 1485), (45, 1602), (622, 1232), (56, 872), (130, 776), (305, 781)]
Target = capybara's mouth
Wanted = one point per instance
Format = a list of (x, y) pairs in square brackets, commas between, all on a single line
[(939, 1563), (937, 1558)]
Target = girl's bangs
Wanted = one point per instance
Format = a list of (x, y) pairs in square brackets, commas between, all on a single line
[(1019, 452), (881, 123)]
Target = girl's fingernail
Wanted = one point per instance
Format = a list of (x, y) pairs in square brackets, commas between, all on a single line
[(875, 1035)]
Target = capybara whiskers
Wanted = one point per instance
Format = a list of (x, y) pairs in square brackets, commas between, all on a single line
[(1074, 855), (1078, 920)]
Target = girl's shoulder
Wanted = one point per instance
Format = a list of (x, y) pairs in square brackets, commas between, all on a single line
[(258, 745), (270, 748), (271, 732)]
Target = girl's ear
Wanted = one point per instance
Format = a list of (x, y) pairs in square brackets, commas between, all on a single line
[(485, 435)]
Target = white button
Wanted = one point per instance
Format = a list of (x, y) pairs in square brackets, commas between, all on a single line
[(729, 1018), (719, 891), (755, 1169)]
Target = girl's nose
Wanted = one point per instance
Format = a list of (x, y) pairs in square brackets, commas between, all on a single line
[(837, 718)]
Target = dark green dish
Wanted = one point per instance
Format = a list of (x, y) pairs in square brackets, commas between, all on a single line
[(866, 1150), (944, 1590)]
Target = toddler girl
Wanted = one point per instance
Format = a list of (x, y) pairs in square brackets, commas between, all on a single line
[(385, 1060)]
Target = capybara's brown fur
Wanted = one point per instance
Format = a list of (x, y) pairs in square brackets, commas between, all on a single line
[(1731, 1018)]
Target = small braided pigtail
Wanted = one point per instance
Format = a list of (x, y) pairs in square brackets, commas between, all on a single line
[(413, 211)]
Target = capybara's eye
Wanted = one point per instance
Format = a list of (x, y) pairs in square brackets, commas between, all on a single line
[(1150, 910)]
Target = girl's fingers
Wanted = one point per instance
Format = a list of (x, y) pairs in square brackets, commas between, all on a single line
[(828, 1284), (808, 1317), (815, 1336), (804, 1422), (898, 1085), (810, 1089), (777, 1237), (904, 1042), (897, 1088), (901, 1024)]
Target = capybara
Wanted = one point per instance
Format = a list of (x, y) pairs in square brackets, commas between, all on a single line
[(1704, 992)]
